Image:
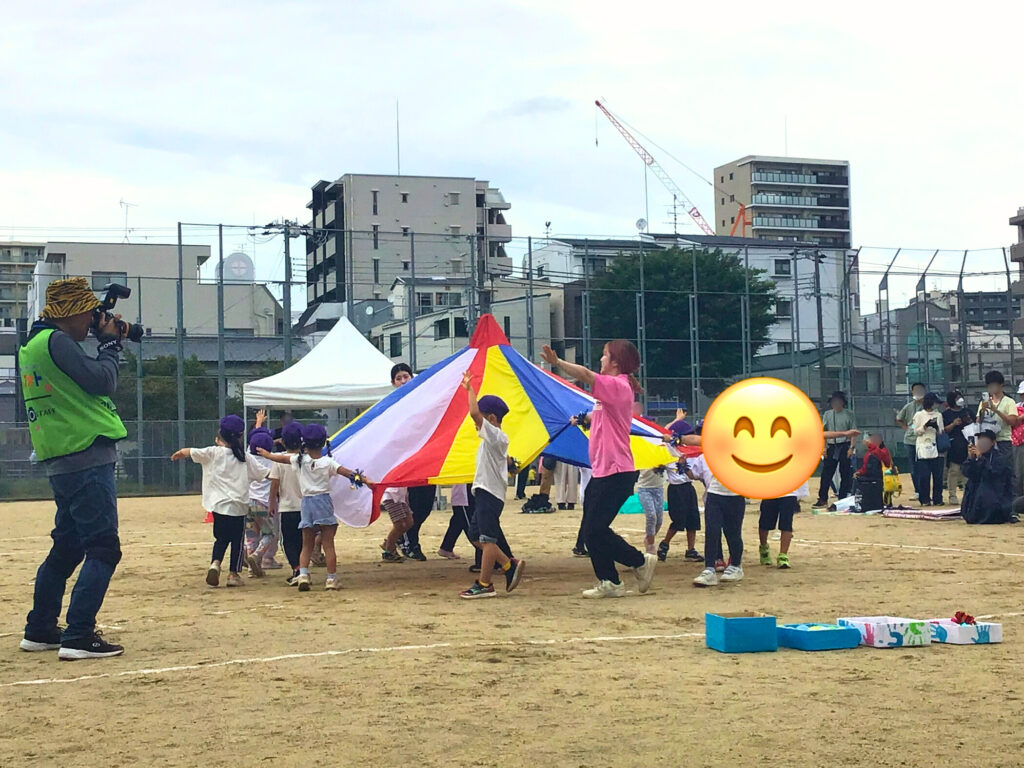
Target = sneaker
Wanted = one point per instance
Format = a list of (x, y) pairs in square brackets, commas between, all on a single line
[(292, 580), (514, 574), (272, 565), (448, 554), (537, 504), (605, 589), (645, 573), (953, 499), (720, 566), (235, 580), (663, 551), (213, 574), (732, 573), (706, 578), (577, 552), (820, 503), (388, 556), (561, 506), (94, 647), (478, 590), (332, 583), (41, 641), (474, 568), (255, 566), (416, 554), (783, 561), (303, 582), (766, 554), (693, 554), (318, 560)]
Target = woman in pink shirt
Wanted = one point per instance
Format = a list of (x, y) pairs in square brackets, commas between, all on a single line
[(611, 460)]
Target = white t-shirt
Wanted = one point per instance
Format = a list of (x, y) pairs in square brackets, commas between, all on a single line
[(259, 490), (314, 474), (671, 472), (460, 497), (492, 460), (700, 468), (226, 479), (926, 446), (650, 478), (290, 494)]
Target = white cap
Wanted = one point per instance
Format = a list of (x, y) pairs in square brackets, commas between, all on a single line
[(1020, 388)]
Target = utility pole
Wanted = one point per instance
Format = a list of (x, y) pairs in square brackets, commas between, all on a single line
[(221, 385), (179, 334), (585, 304), (412, 300), (817, 256), (529, 299)]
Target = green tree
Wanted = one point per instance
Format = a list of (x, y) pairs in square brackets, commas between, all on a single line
[(668, 285)]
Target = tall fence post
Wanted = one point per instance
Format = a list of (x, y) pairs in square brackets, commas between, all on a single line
[(641, 319), (412, 300), (748, 346), (180, 338), (794, 320), (1009, 318), (471, 303), (585, 306), (529, 299), (139, 443), (695, 335), (221, 383)]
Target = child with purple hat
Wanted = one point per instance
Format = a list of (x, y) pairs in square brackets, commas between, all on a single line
[(227, 472), (260, 531)]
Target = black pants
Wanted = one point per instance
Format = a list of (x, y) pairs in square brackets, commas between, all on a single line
[(929, 479), (421, 502), (291, 537), (521, 480), (229, 530), (602, 501), (835, 456), (502, 541), (912, 459), (723, 513), (458, 525)]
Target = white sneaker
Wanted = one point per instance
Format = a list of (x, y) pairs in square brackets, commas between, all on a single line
[(645, 573), (706, 578), (732, 573), (606, 589), (303, 582), (332, 583), (255, 565), (213, 573)]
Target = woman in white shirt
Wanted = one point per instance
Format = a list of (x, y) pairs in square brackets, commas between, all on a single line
[(927, 426)]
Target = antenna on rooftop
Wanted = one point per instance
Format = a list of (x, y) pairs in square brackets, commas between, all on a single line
[(126, 206)]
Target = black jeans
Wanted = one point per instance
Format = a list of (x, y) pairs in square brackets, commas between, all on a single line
[(929, 480), (229, 530), (723, 513), (602, 501), (835, 456), (421, 502), (458, 525), (85, 528), (291, 537), (521, 480), (912, 458)]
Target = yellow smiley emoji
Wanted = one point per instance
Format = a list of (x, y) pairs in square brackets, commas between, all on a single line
[(762, 438)]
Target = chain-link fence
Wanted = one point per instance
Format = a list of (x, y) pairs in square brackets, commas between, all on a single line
[(226, 305)]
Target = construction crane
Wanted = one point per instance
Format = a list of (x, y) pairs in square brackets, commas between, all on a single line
[(663, 177)]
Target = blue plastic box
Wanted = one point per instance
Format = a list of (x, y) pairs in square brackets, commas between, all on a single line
[(818, 637), (742, 632)]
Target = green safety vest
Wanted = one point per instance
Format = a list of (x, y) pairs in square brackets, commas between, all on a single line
[(63, 418)]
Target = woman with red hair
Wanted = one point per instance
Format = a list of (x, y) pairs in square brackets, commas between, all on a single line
[(611, 460)]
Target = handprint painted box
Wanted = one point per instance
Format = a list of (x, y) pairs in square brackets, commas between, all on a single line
[(889, 631), (982, 633)]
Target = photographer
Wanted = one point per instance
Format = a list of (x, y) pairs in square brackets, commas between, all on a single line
[(927, 426), (74, 428)]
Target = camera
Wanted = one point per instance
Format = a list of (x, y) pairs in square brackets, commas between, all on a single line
[(115, 291)]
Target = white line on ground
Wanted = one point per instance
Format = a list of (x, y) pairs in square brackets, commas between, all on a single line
[(907, 546), (351, 651)]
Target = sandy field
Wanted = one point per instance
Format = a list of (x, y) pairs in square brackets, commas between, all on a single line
[(395, 669)]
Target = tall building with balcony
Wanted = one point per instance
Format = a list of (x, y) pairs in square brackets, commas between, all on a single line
[(17, 260), (380, 228), (1017, 255), (787, 198)]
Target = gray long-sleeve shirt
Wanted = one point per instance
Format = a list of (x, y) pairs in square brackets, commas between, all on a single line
[(97, 376)]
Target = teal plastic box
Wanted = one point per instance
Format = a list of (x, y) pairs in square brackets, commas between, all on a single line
[(818, 637), (741, 632)]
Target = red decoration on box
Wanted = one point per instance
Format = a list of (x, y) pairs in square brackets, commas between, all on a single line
[(963, 618)]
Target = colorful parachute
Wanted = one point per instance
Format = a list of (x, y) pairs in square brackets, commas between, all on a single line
[(422, 434)]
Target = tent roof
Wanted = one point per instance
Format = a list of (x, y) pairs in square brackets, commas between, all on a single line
[(343, 369)]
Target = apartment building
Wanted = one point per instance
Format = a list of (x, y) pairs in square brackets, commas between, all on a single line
[(17, 260)]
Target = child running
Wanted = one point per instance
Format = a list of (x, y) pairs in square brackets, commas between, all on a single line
[(227, 472), (489, 485), (650, 490), (778, 512), (286, 499), (315, 470), (683, 511), (259, 519)]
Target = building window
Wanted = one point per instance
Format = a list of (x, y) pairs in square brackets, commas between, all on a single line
[(453, 198), (723, 201), (405, 266), (723, 222), (461, 328), (783, 268), (730, 176), (376, 270), (395, 344), (540, 271), (455, 229), (101, 280), (732, 219), (376, 237), (507, 324), (405, 231), (783, 308), (722, 179), (375, 195), (442, 329), (424, 304), (447, 299), (785, 346), (732, 198), (405, 197)]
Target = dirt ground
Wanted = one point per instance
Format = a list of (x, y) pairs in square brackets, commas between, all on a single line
[(396, 670)]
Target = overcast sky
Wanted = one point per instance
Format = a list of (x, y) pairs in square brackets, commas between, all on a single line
[(213, 111)]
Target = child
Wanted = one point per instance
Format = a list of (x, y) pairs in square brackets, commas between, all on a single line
[(489, 486), (683, 511), (651, 492), (286, 499), (259, 519), (927, 426), (227, 472), (459, 522), (314, 470), (779, 512), (869, 478)]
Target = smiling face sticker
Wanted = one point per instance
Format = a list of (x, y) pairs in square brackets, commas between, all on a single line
[(762, 438)]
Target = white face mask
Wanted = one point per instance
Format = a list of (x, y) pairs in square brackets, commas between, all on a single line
[(919, 396), (960, 403)]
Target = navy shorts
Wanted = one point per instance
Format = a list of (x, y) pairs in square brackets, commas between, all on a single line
[(778, 512), (485, 526), (682, 507), (547, 462)]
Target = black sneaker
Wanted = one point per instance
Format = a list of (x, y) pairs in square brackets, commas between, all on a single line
[(416, 554), (293, 580), (94, 647), (474, 569), (663, 551), (388, 556), (514, 574), (693, 554), (577, 552), (41, 641)]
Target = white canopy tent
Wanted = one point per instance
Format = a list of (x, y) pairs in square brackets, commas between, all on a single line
[(343, 369)]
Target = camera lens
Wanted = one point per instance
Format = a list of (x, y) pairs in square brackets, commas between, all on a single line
[(135, 333)]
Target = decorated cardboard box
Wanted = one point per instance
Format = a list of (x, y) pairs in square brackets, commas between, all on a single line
[(742, 632), (889, 631), (818, 637), (948, 631)]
